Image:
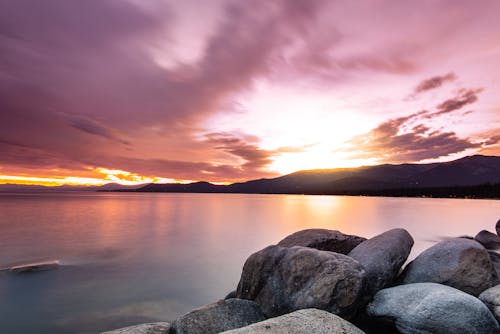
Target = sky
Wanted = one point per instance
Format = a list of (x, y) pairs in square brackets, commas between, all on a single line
[(136, 91)]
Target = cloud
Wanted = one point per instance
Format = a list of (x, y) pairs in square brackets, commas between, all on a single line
[(386, 143), (243, 146), (465, 97), (73, 69), (434, 82), (408, 139), (93, 127)]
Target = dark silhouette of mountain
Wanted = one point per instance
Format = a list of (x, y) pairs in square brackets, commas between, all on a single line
[(460, 178), (64, 188)]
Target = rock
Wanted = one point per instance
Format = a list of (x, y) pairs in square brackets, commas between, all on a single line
[(488, 240), (218, 317), (423, 308), (231, 295), (151, 328), (311, 321), (491, 298), (460, 263), (497, 227), (282, 280), (322, 239), (35, 267), (382, 257), (495, 260)]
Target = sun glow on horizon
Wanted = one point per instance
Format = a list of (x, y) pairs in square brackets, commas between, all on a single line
[(108, 176)]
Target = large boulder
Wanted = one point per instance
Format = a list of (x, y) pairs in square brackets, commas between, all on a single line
[(218, 317), (151, 328), (311, 321), (282, 280), (382, 257), (495, 260), (322, 239), (491, 298), (424, 308), (488, 240), (460, 263)]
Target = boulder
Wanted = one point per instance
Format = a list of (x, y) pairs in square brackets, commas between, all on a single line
[(460, 263), (423, 308), (311, 321), (495, 260), (322, 239), (488, 240), (151, 328), (497, 227), (491, 298), (382, 257), (282, 280), (218, 317)]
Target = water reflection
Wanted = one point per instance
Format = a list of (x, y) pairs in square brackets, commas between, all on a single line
[(146, 257)]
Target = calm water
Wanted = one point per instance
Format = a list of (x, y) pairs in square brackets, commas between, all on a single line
[(132, 258)]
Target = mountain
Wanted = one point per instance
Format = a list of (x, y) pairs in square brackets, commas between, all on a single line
[(458, 176), (64, 188)]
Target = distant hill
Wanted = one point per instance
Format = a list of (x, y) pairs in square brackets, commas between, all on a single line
[(467, 177), (64, 188)]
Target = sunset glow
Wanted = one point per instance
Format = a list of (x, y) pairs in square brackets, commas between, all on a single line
[(227, 91)]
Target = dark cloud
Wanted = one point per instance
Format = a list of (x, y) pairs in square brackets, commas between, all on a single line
[(93, 127), (465, 97), (434, 82), (407, 139), (244, 147), (386, 143)]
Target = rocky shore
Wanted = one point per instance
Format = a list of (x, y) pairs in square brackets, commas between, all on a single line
[(323, 281)]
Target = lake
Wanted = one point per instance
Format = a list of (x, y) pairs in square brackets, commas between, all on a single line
[(139, 257)]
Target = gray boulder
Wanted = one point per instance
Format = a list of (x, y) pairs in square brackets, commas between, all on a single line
[(495, 260), (488, 240), (282, 280), (311, 321), (491, 298), (151, 328), (322, 239), (218, 317), (424, 308), (460, 263), (382, 257)]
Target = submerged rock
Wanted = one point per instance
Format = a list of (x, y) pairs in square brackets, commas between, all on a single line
[(282, 280), (488, 240), (491, 298), (35, 267), (460, 263), (151, 328), (322, 239), (311, 321), (382, 257), (218, 317), (432, 308)]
